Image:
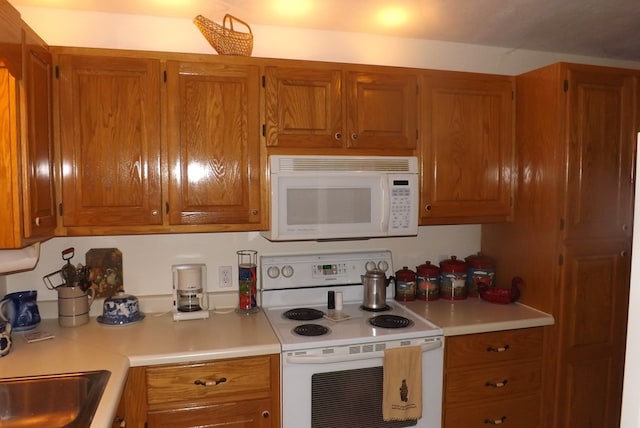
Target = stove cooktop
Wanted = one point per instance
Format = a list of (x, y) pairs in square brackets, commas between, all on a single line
[(353, 327)]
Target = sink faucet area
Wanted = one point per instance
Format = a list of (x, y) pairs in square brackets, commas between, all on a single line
[(61, 400)]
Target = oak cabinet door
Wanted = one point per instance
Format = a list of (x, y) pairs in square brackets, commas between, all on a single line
[(592, 324), (468, 148), (382, 110), (213, 144), (304, 107), (39, 200), (600, 162), (110, 141)]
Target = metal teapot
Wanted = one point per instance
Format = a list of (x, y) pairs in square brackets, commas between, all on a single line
[(375, 285)]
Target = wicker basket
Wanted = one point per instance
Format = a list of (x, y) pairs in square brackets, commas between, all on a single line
[(224, 39)]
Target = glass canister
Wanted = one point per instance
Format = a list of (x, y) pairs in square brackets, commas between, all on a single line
[(481, 269), (405, 285), (453, 279), (247, 281), (427, 282)]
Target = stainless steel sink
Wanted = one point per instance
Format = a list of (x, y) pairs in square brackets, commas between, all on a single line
[(63, 400)]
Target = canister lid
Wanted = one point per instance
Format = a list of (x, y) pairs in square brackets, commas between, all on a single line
[(453, 265), (427, 269), (480, 261), (405, 274)]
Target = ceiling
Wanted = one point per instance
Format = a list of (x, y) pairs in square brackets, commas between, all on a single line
[(599, 28)]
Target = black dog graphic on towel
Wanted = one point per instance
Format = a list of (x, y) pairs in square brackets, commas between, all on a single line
[(404, 391)]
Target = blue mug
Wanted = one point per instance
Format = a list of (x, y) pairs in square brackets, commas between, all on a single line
[(20, 309), (5, 338)]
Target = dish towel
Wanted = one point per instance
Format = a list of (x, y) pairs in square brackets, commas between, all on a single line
[(402, 384)]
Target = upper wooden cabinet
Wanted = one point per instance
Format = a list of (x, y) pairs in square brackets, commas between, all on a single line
[(213, 144), (110, 140), (467, 148), (325, 108), (26, 154), (39, 198)]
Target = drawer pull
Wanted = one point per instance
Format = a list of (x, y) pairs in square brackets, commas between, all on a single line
[(495, 421), (209, 382), (498, 349), (497, 384)]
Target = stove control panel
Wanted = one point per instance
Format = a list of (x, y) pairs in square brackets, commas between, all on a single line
[(326, 269)]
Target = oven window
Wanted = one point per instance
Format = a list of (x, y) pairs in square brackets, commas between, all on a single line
[(349, 399)]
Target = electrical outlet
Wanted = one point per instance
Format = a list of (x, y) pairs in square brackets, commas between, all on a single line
[(224, 277)]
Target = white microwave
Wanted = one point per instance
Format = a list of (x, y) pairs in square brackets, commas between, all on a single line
[(342, 197)]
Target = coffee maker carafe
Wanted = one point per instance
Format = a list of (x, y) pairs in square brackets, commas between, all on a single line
[(190, 300)]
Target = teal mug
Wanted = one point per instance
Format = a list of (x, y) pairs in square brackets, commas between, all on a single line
[(5, 338), (20, 310)]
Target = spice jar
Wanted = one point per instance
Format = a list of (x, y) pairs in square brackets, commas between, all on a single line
[(405, 285), (481, 269), (453, 279), (427, 282)]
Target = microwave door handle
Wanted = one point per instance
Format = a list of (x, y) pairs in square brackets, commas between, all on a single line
[(325, 359), (386, 209)]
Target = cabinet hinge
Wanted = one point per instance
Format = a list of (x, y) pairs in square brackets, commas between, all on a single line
[(417, 89), (264, 80), (561, 224), (164, 76), (560, 260), (56, 71), (565, 85), (166, 207), (60, 209), (417, 134), (264, 130), (513, 95)]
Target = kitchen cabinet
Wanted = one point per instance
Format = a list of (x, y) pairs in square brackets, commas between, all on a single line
[(214, 148), (493, 378), (156, 143), (467, 149), (26, 136), (324, 108), (109, 129), (571, 235), (237, 392)]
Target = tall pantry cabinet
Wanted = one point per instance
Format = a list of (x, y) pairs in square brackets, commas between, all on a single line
[(570, 240)]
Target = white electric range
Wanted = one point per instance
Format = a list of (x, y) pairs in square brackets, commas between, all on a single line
[(332, 358)]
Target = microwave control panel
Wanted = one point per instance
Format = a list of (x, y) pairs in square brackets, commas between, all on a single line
[(403, 202)]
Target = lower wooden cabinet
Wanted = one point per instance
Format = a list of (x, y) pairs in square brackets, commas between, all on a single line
[(234, 393), (493, 379)]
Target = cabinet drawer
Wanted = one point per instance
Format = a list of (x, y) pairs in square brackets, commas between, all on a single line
[(492, 383), (493, 348), (522, 412), (255, 413), (214, 381)]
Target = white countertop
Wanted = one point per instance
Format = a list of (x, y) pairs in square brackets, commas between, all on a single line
[(473, 315), (155, 340)]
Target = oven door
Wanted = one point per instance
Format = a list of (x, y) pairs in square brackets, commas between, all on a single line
[(324, 389)]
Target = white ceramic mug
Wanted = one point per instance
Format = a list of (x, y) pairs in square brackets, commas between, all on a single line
[(73, 305)]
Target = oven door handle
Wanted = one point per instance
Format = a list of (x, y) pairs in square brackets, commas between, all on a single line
[(322, 359)]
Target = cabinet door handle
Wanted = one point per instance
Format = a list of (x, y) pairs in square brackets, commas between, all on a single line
[(36, 221), (265, 414), (354, 136), (498, 349), (210, 382), (495, 421), (496, 384), (337, 136), (155, 213)]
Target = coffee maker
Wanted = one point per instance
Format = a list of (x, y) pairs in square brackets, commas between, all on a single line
[(190, 300)]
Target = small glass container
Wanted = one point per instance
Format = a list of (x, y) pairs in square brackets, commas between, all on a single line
[(247, 281)]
